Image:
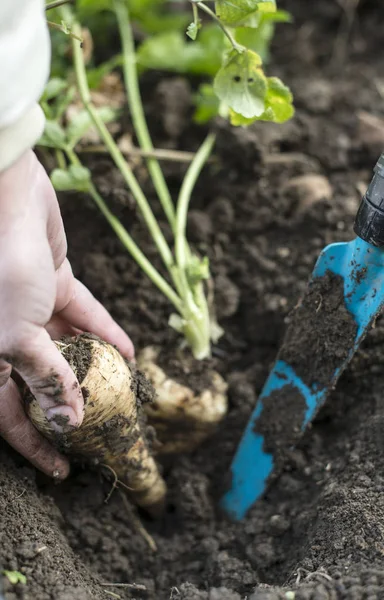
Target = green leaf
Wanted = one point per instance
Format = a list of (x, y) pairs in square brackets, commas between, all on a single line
[(53, 136), (278, 101), (82, 122), (63, 101), (15, 577), (207, 104), (154, 22), (139, 8), (267, 6), (172, 52), (236, 12), (87, 8), (193, 30), (279, 16), (258, 35), (278, 105), (97, 74), (54, 87), (239, 121), (241, 84), (75, 178), (197, 270)]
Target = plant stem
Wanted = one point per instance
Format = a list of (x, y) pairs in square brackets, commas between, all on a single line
[(197, 327), (60, 27), (136, 107), (188, 296), (128, 241), (57, 3), (60, 158), (238, 47), (195, 14), (189, 182), (120, 161)]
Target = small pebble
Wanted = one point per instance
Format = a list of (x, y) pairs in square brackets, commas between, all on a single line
[(370, 131), (307, 190)]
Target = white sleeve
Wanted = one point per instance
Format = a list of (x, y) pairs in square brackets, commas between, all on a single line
[(24, 69)]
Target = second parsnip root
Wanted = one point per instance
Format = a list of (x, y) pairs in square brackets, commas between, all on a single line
[(182, 419)]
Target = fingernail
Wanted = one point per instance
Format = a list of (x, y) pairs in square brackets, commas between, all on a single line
[(62, 418), (59, 474)]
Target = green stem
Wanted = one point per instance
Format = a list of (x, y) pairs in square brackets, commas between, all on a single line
[(195, 14), (189, 182), (197, 327), (57, 3), (188, 298), (136, 108), (63, 28), (213, 15), (119, 159), (60, 158), (128, 241)]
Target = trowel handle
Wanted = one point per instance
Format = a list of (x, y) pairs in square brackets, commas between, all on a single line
[(369, 223)]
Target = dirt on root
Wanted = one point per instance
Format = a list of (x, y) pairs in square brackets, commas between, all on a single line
[(321, 332), (141, 387), (319, 531), (179, 364), (78, 353), (117, 434)]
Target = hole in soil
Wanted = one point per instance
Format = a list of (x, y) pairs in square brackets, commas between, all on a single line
[(171, 509)]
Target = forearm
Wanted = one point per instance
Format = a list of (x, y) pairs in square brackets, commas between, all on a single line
[(24, 69)]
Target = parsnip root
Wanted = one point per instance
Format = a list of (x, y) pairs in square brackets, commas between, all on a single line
[(110, 433), (181, 418)]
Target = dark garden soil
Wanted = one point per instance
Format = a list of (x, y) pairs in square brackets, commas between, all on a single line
[(315, 352), (263, 213)]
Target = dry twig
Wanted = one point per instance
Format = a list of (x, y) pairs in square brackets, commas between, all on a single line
[(138, 524), (340, 49), (131, 586), (158, 153)]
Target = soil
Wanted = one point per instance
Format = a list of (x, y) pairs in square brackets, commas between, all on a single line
[(180, 365), (282, 432), (319, 531), (316, 352), (78, 352)]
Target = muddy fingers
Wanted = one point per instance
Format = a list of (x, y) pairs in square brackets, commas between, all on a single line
[(110, 433)]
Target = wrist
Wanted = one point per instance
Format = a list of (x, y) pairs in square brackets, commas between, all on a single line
[(15, 185)]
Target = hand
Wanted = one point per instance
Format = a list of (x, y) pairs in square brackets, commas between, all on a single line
[(40, 298)]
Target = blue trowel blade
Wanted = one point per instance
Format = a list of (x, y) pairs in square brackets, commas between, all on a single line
[(361, 267)]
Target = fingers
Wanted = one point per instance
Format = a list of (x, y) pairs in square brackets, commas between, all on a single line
[(50, 379), (57, 328), (81, 310), (19, 432)]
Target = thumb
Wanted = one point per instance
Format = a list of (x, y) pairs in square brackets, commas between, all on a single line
[(51, 380)]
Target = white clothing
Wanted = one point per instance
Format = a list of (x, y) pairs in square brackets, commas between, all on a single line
[(25, 54)]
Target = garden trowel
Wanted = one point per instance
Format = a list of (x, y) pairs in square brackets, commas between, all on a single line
[(342, 301)]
